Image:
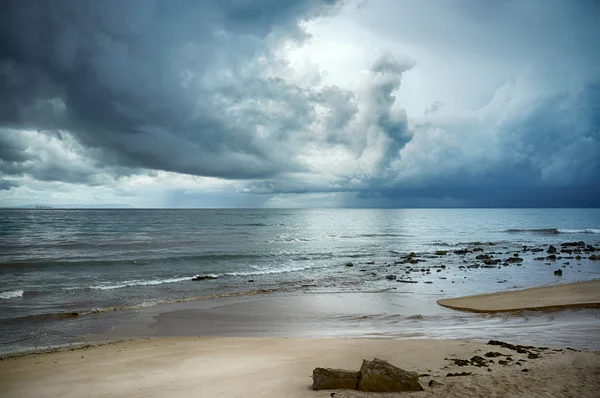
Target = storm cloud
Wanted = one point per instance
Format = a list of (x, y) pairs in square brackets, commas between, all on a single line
[(447, 103)]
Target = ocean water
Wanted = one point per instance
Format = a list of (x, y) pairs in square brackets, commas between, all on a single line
[(55, 263)]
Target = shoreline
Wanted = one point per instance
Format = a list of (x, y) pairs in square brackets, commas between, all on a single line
[(276, 367), (543, 298)]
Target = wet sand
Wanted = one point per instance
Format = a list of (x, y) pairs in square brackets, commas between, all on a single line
[(567, 296), (279, 367)]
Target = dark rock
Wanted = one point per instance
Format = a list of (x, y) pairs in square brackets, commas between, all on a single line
[(558, 272), (381, 376), (203, 277), (502, 362), (524, 370), (478, 249), (250, 280), (578, 257), (333, 379), (370, 262), (428, 282), (514, 260), (551, 257), (539, 258), (478, 361), (406, 281), (493, 354), (461, 251), (349, 265), (522, 349), (594, 257), (441, 252), (482, 257), (551, 249), (458, 374), (573, 244), (433, 383), (531, 355), (390, 277)]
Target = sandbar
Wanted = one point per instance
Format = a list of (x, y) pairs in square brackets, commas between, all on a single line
[(556, 297)]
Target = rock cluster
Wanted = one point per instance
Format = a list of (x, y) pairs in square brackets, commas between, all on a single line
[(375, 376)]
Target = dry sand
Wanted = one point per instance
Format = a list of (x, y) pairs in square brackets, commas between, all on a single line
[(268, 367), (572, 295)]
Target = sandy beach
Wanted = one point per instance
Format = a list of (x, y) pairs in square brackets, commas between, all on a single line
[(256, 367), (282, 367), (571, 295)]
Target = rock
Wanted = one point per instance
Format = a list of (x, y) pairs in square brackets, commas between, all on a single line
[(478, 249), (524, 371), (203, 277), (551, 257), (250, 280), (490, 261), (514, 260), (594, 257), (433, 383), (461, 251), (551, 249), (539, 258), (390, 277), (406, 281), (332, 379), (578, 257), (370, 262), (458, 374), (428, 282), (558, 272), (482, 257), (573, 244), (441, 252), (531, 355), (381, 376), (349, 265)]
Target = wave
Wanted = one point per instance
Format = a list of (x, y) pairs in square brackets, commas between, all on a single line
[(384, 235), (152, 282), (270, 271), (11, 294), (132, 283), (253, 224), (580, 231), (556, 231)]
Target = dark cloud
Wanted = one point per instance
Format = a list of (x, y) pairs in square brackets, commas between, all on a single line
[(96, 90), (152, 84)]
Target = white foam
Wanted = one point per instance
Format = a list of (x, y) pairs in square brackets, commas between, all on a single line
[(138, 283), (11, 294), (270, 271)]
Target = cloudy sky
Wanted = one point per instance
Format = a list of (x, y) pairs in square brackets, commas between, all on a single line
[(300, 103)]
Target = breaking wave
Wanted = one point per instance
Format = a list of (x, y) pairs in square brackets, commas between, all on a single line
[(11, 294), (556, 231)]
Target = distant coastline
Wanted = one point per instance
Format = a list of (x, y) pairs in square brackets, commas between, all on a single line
[(74, 206)]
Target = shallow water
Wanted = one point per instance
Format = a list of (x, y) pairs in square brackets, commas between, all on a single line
[(56, 262)]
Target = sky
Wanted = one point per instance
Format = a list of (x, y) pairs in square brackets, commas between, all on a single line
[(300, 103)]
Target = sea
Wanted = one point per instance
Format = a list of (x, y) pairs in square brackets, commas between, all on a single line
[(71, 266)]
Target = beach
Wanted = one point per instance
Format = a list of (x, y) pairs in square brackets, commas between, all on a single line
[(282, 366), (248, 302), (279, 367)]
